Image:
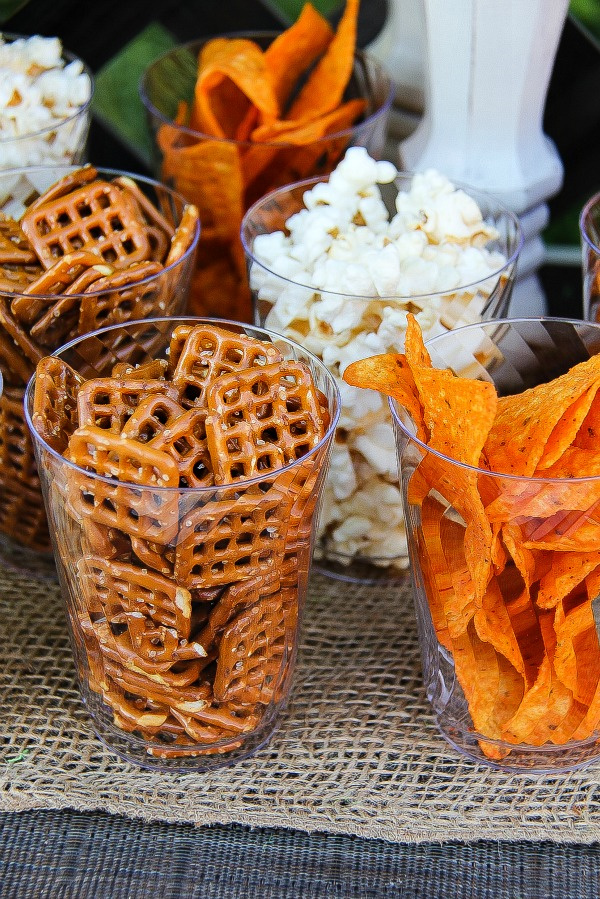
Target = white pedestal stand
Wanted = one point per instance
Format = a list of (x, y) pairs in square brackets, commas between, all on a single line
[(488, 65)]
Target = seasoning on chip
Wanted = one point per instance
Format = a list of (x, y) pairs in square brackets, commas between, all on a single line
[(509, 504)]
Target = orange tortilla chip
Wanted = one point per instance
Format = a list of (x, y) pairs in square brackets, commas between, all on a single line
[(548, 712), (568, 571), (327, 82), (493, 625), (208, 174), (524, 423), (232, 77), (577, 656), (295, 50), (493, 688), (565, 431), (390, 374), (416, 353), (302, 133)]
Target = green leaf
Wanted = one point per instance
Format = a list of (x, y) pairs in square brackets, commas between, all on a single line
[(116, 99)]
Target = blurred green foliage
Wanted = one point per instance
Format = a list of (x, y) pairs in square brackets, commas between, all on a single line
[(290, 9), (587, 13)]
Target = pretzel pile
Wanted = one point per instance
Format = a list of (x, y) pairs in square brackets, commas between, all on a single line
[(187, 598), (86, 254)]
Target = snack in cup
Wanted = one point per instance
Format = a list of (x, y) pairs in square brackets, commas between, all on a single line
[(188, 498), (45, 98), (87, 250), (504, 492), (264, 111), (337, 265)]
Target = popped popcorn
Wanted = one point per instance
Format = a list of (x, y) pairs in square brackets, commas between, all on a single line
[(352, 272), (44, 103)]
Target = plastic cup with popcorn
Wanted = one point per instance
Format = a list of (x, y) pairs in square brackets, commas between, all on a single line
[(45, 101), (336, 264)]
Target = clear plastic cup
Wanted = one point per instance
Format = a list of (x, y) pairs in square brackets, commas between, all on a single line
[(589, 230), (184, 604), (220, 284), (363, 527), (55, 318), (514, 682), (63, 141)]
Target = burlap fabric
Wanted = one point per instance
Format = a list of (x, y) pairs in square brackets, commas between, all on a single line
[(357, 751)]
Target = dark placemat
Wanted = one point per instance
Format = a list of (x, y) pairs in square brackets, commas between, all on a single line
[(69, 855)]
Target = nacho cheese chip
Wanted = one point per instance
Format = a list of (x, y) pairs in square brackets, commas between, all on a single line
[(511, 564)]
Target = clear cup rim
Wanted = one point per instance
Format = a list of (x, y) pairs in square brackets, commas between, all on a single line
[(79, 111), (165, 120), (583, 222), (524, 479), (186, 491), (308, 183), (64, 168)]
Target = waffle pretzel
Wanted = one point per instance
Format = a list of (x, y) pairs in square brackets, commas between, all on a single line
[(155, 414), (127, 294), (252, 653), (179, 336), (261, 419), (236, 597), (208, 352), (17, 278), (54, 280), (98, 217), (148, 211), (16, 368), (109, 403), (112, 499), (55, 401), (58, 322), (147, 371), (185, 440), (14, 246), (184, 235), (66, 185), (27, 347), (132, 589), (150, 650), (193, 702), (227, 541)]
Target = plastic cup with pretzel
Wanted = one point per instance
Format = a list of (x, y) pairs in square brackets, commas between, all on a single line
[(182, 463), (80, 249)]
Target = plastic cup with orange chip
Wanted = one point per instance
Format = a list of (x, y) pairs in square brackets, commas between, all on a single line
[(231, 122), (501, 492)]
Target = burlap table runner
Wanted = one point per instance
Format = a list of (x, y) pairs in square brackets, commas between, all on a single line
[(356, 753)]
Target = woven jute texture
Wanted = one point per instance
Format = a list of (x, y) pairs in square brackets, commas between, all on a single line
[(357, 751)]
